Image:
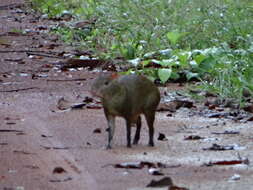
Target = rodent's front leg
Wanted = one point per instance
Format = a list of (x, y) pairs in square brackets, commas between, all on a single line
[(111, 126)]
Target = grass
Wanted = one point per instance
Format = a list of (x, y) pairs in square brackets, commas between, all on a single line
[(210, 40)]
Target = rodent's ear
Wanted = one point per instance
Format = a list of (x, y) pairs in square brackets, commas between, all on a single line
[(114, 75)]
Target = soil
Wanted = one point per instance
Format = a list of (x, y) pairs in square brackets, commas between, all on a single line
[(43, 148)]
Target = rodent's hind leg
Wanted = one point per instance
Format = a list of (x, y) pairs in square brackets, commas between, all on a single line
[(138, 130), (128, 128), (150, 118)]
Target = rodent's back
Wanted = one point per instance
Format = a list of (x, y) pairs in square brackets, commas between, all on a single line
[(141, 92)]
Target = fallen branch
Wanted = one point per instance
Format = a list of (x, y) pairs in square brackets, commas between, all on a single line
[(21, 89), (65, 80)]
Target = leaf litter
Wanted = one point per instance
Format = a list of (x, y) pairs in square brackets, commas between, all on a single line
[(66, 105), (165, 182)]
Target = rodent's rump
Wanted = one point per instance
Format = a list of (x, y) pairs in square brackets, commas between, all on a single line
[(127, 96)]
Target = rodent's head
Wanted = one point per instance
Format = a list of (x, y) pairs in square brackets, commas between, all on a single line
[(101, 83)]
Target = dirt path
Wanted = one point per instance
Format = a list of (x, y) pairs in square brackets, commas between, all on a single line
[(43, 139)]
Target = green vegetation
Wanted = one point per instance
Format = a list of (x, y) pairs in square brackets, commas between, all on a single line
[(208, 40)]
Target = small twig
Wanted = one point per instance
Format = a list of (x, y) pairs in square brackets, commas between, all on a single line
[(44, 55), (65, 80), (10, 6), (21, 89), (13, 51), (10, 130), (22, 152), (55, 148), (106, 165), (35, 52), (29, 51)]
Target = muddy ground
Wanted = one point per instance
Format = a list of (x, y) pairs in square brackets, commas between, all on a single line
[(42, 148)]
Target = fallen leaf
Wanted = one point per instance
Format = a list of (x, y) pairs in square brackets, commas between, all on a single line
[(177, 188), (217, 115), (63, 104), (155, 171), (10, 123), (129, 165), (169, 115), (162, 137), (164, 182), (22, 152), (88, 99), (21, 133), (217, 147), (46, 136), (94, 106), (77, 63), (97, 130), (228, 162), (226, 133), (2, 177), (13, 59), (60, 180), (171, 106), (32, 167), (250, 119), (193, 137), (248, 108), (78, 105), (41, 27), (135, 165), (8, 188), (55, 148), (174, 105), (59, 170), (235, 177)]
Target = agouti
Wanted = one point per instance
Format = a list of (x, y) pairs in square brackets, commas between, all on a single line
[(127, 96)]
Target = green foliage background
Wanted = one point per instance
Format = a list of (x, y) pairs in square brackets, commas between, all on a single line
[(210, 40)]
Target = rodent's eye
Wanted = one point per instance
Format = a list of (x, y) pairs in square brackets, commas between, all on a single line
[(106, 82)]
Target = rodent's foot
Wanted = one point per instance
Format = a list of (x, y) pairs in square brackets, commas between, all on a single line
[(135, 142), (151, 144), (108, 147)]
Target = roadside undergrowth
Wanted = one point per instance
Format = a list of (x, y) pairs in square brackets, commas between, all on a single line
[(206, 41)]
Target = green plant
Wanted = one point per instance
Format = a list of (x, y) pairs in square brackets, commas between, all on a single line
[(210, 41)]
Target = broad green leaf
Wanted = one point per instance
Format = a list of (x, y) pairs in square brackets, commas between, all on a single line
[(183, 58), (174, 75), (164, 74), (145, 63), (130, 52), (199, 58), (174, 37), (191, 75), (151, 78), (165, 63)]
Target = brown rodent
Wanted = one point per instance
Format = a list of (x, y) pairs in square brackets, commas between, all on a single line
[(127, 96)]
